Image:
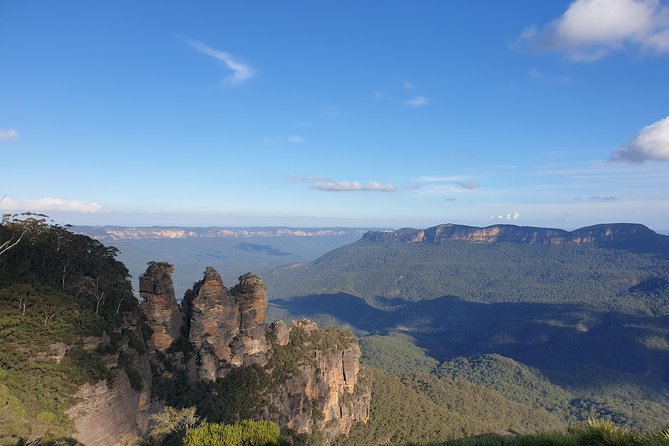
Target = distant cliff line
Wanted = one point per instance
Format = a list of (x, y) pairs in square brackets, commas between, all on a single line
[(607, 235), (111, 233)]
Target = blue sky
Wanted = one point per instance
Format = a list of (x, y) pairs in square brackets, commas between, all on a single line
[(336, 113)]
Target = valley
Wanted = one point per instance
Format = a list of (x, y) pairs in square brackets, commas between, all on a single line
[(460, 334)]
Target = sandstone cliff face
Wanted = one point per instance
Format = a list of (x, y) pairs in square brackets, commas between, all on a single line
[(160, 305), (324, 394), (104, 413), (615, 235), (226, 327)]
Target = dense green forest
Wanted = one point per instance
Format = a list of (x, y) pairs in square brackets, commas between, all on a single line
[(56, 290), (602, 278), (574, 331), (421, 407)]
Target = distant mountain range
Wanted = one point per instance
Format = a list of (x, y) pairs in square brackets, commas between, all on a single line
[(601, 265), (112, 233), (615, 235), (575, 322)]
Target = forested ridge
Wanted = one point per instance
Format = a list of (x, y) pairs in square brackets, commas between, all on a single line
[(571, 330), (57, 290), (500, 272)]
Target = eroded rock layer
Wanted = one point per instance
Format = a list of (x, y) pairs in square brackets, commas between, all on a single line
[(615, 235), (160, 305), (226, 327), (325, 393)]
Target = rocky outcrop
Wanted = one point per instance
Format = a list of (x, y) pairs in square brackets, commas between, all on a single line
[(226, 327), (160, 304), (325, 394), (314, 374), (616, 235), (312, 383)]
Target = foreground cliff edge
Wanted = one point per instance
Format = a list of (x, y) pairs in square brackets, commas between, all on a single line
[(306, 379)]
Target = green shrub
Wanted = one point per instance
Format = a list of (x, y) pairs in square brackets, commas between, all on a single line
[(605, 433), (242, 433)]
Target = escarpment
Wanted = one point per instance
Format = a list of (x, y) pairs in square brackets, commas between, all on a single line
[(615, 235), (305, 378)]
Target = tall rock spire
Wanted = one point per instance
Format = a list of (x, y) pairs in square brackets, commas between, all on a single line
[(226, 327), (160, 305)]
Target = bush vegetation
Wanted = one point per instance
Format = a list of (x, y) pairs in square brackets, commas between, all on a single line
[(242, 433), (590, 433), (422, 407), (56, 288)]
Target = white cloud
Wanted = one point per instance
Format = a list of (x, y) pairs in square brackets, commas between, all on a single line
[(508, 216), (353, 186), (651, 144), (591, 29), (8, 135), (49, 204), (408, 86), (240, 72), (417, 101), (296, 139)]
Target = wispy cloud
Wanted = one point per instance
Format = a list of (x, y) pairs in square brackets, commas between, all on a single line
[(599, 198), (408, 97), (307, 178), (430, 185), (469, 185), (295, 139), (439, 179), (650, 144), (328, 185), (353, 186), (589, 30), (554, 80), (240, 72), (8, 135), (417, 101), (49, 204)]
